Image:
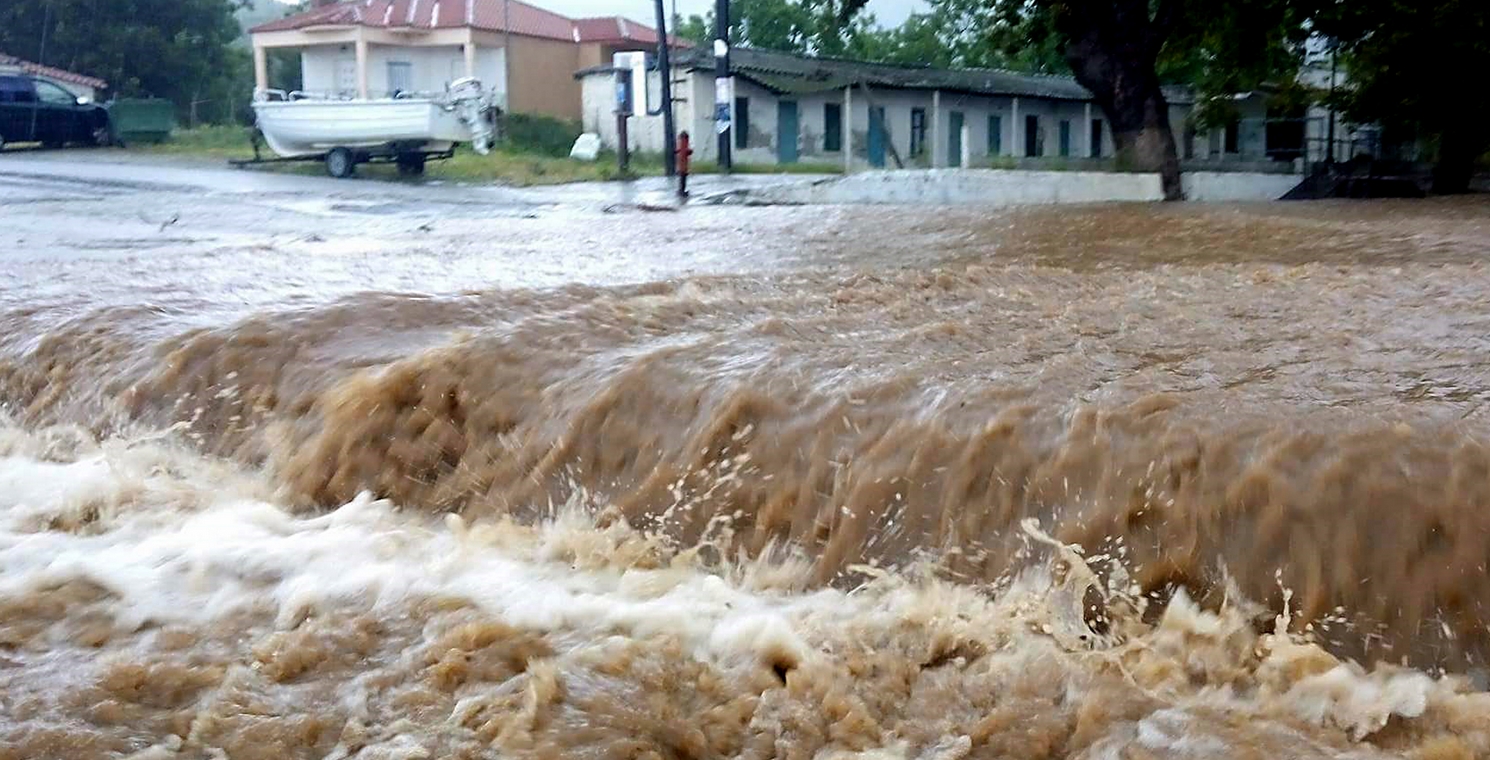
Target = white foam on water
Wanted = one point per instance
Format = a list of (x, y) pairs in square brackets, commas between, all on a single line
[(179, 539)]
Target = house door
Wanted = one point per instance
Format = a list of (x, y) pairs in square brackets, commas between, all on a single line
[(876, 146), (786, 131), (346, 77), (954, 139)]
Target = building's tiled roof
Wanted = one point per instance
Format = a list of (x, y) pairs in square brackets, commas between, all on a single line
[(614, 29), (49, 72), (486, 15), (798, 74)]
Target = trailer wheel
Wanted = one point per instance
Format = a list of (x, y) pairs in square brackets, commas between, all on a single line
[(340, 163), (411, 164)]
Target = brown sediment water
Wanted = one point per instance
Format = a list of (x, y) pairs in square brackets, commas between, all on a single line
[(820, 507)]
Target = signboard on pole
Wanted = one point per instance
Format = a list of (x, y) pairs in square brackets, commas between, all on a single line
[(723, 100), (636, 64)]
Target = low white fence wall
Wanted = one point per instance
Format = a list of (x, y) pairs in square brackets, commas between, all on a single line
[(1004, 187), (1238, 186)]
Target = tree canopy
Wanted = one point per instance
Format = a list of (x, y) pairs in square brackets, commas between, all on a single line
[(176, 49), (1416, 68)]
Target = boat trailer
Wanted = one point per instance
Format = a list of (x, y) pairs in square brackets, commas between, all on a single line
[(342, 162)]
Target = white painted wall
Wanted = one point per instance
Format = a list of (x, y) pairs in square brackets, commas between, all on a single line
[(992, 187), (432, 67), (696, 115), (984, 187), (1237, 186)]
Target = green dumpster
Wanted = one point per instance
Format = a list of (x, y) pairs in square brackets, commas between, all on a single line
[(134, 120)]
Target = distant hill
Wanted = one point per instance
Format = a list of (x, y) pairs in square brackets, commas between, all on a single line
[(260, 12)]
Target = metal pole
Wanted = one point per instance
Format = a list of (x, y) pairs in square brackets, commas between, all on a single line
[(722, 98), (41, 58), (506, 64), (669, 135), (1334, 59), (624, 106)]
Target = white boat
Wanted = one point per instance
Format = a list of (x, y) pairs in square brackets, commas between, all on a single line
[(298, 126)]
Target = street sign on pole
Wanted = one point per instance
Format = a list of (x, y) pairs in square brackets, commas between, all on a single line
[(724, 91)]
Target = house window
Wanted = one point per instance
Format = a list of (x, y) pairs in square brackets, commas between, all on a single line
[(1233, 137), (742, 123), (1065, 137), (995, 135), (1096, 138), (400, 77), (918, 131), (832, 127), (1032, 136)]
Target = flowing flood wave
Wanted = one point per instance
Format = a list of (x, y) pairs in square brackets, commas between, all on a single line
[(1206, 502)]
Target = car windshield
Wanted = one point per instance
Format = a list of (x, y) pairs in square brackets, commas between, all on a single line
[(51, 93)]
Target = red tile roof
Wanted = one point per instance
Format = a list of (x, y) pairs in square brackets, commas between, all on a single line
[(60, 75), (486, 15), (614, 29)]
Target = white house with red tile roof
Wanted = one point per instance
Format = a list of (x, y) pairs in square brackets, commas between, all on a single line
[(81, 85), (375, 48)]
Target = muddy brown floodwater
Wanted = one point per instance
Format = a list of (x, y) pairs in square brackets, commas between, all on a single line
[(1100, 482)]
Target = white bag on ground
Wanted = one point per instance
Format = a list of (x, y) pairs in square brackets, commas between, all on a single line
[(586, 148)]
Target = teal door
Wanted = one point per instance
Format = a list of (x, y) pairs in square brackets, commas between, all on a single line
[(876, 147), (786, 131), (954, 139)]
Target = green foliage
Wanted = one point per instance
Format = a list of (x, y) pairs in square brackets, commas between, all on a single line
[(696, 29), (539, 134), (979, 34), (175, 49), (963, 33), (1419, 68)]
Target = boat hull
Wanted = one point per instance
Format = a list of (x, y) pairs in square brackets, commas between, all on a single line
[(300, 128)]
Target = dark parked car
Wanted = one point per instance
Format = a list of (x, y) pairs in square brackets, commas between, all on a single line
[(39, 110)]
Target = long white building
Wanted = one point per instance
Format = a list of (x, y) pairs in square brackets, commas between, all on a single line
[(798, 109)]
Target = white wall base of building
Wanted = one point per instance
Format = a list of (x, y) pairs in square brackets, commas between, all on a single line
[(996, 187)]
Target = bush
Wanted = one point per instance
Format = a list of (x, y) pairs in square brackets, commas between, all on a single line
[(545, 135)]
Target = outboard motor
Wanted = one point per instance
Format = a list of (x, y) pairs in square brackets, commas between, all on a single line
[(471, 102)]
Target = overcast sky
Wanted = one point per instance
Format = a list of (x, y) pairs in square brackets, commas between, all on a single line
[(889, 12)]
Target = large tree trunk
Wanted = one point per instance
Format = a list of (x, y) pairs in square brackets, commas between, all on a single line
[(1113, 48)]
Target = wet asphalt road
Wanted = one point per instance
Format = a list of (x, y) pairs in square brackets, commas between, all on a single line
[(84, 230)]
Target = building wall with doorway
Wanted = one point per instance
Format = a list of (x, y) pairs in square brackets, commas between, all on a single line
[(782, 116), (423, 47), (919, 132), (332, 69)]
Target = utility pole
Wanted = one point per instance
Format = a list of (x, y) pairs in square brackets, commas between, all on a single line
[(41, 58), (669, 136), (722, 93), (506, 68), (1334, 61)]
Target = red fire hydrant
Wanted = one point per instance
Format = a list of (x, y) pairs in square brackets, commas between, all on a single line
[(684, 152)]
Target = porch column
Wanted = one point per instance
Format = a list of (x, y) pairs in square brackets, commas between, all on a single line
[(470, 52), (936, 141), (1014, 128), (361, 64), (848, 129), (261, 67), (1088, 132)]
